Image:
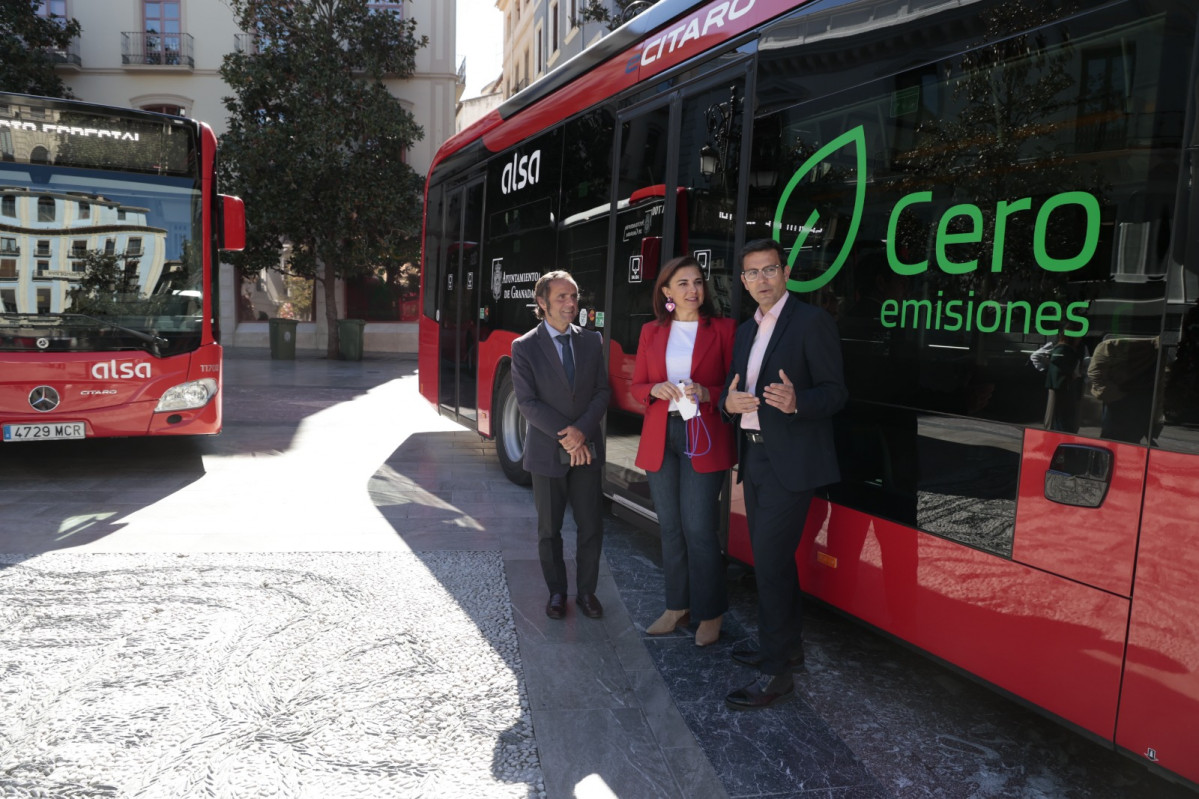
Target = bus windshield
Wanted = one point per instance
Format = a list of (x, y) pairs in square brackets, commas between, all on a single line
[(100, 259)]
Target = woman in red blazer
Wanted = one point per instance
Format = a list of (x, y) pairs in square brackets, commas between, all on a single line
[(686, 460)]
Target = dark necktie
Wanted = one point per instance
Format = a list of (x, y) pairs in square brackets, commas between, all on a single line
[(568, 358)]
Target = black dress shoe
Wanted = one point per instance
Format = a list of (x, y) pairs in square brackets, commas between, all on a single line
[(590, 605), (753, 657), (762, 692), (556, 607)]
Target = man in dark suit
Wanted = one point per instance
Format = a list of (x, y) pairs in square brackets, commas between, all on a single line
[(784, 386), (562, 389)]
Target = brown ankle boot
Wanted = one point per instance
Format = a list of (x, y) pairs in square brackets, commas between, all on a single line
[(708, 632), (669, 621)]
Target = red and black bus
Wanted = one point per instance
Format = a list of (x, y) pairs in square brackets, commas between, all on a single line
[(110, 231), (973, 189)]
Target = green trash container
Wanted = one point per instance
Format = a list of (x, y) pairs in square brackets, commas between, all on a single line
[(283, 339), (349, 338)]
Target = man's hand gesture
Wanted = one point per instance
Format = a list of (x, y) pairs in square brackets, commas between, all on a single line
[(739, 401)]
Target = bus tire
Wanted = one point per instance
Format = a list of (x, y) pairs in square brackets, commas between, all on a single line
[(510, 431)]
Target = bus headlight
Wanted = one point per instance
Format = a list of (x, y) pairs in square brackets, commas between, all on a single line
[(186, 396)]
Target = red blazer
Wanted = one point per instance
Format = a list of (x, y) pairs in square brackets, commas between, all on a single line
[(710, 363)]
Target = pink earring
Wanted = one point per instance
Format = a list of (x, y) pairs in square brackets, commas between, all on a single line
[(670, 306)]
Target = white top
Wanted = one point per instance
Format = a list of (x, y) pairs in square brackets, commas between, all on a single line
[(679, 348)]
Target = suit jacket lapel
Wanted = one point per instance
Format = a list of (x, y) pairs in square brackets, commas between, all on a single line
[(705, 337), (776, 336)]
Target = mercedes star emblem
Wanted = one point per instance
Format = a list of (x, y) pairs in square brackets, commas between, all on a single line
[(43, 398)]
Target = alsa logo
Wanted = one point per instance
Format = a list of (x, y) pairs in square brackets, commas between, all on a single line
[(114, 370), (525, 170)]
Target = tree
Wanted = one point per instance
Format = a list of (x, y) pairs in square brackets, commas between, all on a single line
[(316, 143), (612, 13), (28, 42)]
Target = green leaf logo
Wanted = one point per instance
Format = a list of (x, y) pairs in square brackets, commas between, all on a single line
[(855, 138)]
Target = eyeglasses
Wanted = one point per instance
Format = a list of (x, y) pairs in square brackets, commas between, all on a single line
[(768, 272)]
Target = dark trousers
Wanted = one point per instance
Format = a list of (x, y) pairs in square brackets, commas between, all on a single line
[(582, 489), (776, 518), (688, 506)]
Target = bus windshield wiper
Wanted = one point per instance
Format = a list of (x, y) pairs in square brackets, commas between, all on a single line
[(153, 339)]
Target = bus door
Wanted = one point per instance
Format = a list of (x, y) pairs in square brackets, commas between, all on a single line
[(458, 300), (674, 192)]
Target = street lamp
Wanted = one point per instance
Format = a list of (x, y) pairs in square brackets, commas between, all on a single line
[(634, 8), (723, 124)]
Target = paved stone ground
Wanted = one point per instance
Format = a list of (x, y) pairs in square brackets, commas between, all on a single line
[(323, 602), (262, 674)]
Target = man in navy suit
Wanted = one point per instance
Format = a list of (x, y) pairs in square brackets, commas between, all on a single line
[(783, 388), (562, 389)]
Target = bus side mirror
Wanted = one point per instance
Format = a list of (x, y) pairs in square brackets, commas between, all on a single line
[(1079, 475), (233, 223)]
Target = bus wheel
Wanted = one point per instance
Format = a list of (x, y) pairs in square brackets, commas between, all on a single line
[(511, 429)]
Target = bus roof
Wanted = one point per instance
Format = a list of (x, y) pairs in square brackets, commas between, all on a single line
[(665, 35)]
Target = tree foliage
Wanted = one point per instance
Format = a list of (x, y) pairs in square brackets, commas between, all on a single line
[(316, 142), (612, 13), (27, 46)]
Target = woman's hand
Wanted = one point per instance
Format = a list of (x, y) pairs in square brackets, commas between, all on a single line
[(666, 391)]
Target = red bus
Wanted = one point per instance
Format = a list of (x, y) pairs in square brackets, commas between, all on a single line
[(964, 186), (110, 229)]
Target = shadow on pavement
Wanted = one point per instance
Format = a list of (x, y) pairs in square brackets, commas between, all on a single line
[(61, 494)]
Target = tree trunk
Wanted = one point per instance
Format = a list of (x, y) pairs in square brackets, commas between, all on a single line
[(330, 285)]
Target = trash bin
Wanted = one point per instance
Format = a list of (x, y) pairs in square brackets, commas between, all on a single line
[(283, 339), (349, 338)]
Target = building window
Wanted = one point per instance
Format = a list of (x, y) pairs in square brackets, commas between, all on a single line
[(110, 246), (85, 210), (8, 246), (162, 31), (43, 267), (43, 247), (8, 267), (272, 295), (8, 205), (43, 300), (554, 40), (53, 8), (572, 10), (173, 110), (39, 155), (8, 300), (121, 214), (135, 246), (537, 43), (45, 209), (379, 6), (391, 294), (78, 248)]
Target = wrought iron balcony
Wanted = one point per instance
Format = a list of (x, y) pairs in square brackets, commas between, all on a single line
[(157, 49), (245, 43), (68, 55)]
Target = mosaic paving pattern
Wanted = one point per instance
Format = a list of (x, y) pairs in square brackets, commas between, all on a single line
[(313, 674)]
